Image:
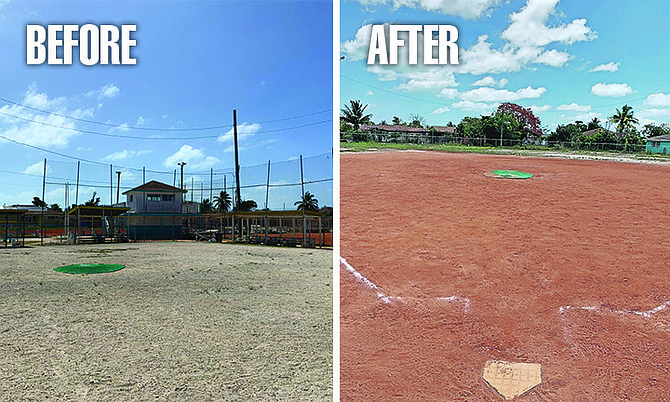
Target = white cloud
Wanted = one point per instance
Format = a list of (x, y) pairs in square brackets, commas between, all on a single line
[(125, 154), (140, 121), (441, 110), (244, 130), (449, 93), (474, 106), (584, 117), (529, 29), (657, 100), (48, 130), (195, 158), (357, 48), (466, 9), (574, 107), (432, 80), (489, 81), (369, 93), (553, 58), (481, 58), (611, 90), (486, 94), (609, 67), (537, 108), (109, 91), (36, 168)]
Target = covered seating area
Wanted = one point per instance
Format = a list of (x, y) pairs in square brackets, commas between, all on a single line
[(14, 226), (97, 224), (280, 228)]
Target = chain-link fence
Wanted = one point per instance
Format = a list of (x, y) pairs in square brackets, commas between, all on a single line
[(436, 138), (276, 186)]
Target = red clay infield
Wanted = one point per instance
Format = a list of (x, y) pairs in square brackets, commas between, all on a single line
[(569, 269)]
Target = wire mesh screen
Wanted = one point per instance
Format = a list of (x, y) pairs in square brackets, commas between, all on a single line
[(100, 184)]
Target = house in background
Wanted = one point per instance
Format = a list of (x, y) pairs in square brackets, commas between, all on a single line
[(33, 217), (155, 211), (658, 145)]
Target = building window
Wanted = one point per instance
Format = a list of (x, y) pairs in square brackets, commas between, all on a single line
[(153, 197), (130, 199), (167, 197), (656, 144)]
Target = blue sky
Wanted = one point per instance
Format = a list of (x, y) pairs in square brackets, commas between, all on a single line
[(568, 60), (196, 62)]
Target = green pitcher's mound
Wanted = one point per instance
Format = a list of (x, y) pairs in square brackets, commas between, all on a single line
[(509, 174), (89, 268)]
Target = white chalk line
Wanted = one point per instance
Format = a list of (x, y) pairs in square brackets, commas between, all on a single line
[(645, 314), (388, 299)]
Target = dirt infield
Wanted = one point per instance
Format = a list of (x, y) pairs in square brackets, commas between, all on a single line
[(569, 269), (183, 321)]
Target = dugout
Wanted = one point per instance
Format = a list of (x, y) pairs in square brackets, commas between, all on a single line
[(287, 228), (14, 225), (97, 224)]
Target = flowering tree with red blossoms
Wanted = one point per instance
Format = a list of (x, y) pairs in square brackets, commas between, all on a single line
[(529, 124)]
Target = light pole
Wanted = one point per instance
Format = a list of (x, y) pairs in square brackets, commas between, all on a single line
[(118, 185), (181, 182)]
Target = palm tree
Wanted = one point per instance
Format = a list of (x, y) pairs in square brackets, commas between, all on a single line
[(222, 202), (624, 120), (206, 206), (354, 114), (308, 203)]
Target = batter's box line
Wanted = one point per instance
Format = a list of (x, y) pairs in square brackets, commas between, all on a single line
[(646, 314), (388, 299)]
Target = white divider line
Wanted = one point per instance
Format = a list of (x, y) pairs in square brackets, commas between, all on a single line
[(388, 299), (365, 280), (645, 314)]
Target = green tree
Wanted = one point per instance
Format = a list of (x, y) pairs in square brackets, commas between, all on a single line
[(594, 124), (565, 133), (307, 203), (417, 121), (56, 208), (246, 205), (354, 114), (206, 206), (654, 130), (39, 203), (93, 202), (396, 121), (345, 127), (470, 127), (624, 120), (222, 202)]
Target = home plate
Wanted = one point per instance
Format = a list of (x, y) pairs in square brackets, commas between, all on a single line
[(511, 379)]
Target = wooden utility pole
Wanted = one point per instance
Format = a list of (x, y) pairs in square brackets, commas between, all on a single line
[(111, 186), (267, 193), (76, 205), (44, 184), (304, 220), (237, 160)]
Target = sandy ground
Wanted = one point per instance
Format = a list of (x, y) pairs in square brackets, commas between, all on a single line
[(183, 321), (569, 269)]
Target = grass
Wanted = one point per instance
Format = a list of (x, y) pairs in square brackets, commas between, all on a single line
[(526, 150)]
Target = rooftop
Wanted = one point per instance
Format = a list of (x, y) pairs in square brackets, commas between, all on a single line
[(155, 186)]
